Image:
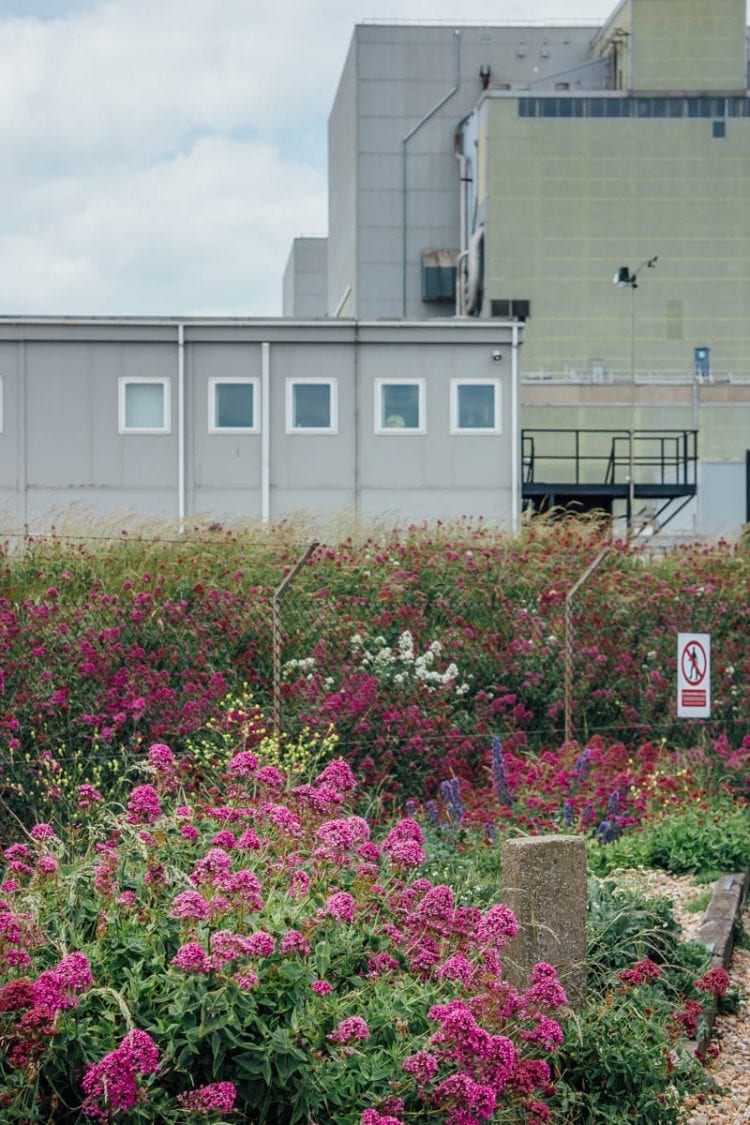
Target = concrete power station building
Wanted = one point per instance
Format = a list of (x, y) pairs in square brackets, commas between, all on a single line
[(513, 173), (486, 186)]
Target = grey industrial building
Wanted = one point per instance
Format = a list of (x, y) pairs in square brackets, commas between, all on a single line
[(513, 172), (257, 419)]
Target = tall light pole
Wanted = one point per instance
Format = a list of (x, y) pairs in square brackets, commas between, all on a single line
[(624, 279)]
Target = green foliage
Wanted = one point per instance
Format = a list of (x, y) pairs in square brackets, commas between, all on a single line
[(693, 840), (619, 1060), (626, 925), (618, 1064)]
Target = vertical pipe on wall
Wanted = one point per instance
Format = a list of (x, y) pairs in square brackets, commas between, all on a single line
[(23, 435), (181, 427), (357, 421), (404, 161), (515, 422), (265, 431)]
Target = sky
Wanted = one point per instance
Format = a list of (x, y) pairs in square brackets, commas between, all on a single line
[(159, 156)]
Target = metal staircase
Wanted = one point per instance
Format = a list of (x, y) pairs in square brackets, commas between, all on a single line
[(588, 470)]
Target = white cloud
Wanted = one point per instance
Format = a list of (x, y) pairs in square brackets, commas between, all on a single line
[(159, 155), (203, 231)]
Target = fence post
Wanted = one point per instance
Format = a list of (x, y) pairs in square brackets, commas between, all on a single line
[(544, 884), (568, 654), (276, 633)]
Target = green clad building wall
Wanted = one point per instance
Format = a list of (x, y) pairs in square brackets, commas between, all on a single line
[(570, 199)]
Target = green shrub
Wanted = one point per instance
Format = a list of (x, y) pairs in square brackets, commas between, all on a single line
[(693, 840)]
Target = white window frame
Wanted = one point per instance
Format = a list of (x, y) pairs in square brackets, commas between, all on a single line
[(122, 383), (471, 431), (402, 431), (244, 380), (333, 428)]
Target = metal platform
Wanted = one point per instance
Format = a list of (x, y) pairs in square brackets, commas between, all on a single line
[(589, 470)]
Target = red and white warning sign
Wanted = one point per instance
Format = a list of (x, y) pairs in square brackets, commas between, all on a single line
[(693, 675)]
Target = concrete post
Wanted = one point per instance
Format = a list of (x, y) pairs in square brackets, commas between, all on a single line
[(544, 884)]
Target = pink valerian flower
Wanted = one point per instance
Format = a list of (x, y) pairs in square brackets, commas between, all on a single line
[(640, 973), (437, 905), (244, 888), (143, 805), (537, 1112), (243, 764), (260, 944), (715, 981), (19, 868), (128, 900), (42, 832), (246, 979), (215, 863), (270, 776), (323, 799), (321, 987), (381, 963), (456, 968), (338, 776), (17, 958), (224, 839), (372, 1117), (59, 988), (16, 851), (192, 906), (528, 1075), (250, 840), (111, 1083), (498, 924), (160, 757), (369, 852), (88, 796), (228, 946), (217, 1097), (405, 829), (281, 817), (47, 864), (406, 853), (183, 812), (299, 884), (422, 1066), (341, 906), (461, 1091), (350, 1029), (16, 994), (688, 1018), (546, 990), (191, 958), (189, 832), (345, 832), (547, 1032), (295, 942)]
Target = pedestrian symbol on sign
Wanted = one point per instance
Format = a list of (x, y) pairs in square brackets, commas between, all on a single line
[(693, 675)]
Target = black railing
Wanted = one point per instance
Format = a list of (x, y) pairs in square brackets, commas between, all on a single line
[(614, 458)]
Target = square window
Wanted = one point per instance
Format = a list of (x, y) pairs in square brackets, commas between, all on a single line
[(399, 406), (232, 405), (143, 406), (719, 128), (311, 406), (475, 406)]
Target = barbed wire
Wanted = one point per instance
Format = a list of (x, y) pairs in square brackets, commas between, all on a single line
[(350, 744)]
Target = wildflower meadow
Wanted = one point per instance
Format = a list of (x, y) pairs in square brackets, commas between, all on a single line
[(220, 902)]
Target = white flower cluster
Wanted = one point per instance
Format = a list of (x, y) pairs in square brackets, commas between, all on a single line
[(401, 665), (296, 669)]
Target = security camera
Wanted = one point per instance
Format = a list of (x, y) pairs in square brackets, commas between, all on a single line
[(497, 356)]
